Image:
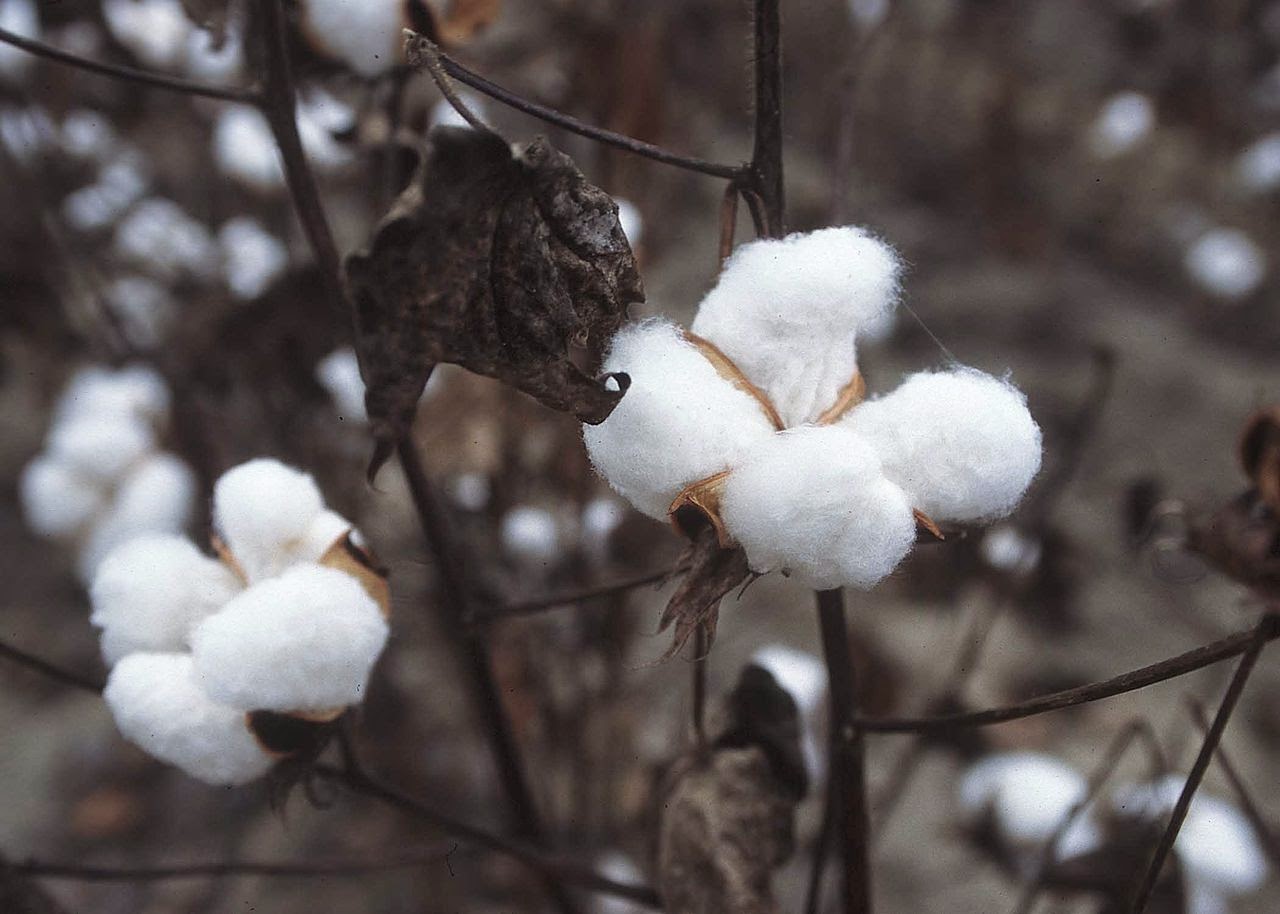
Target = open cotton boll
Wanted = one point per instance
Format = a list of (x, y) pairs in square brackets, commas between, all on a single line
[(305, 640), (814, 502), (159, 707), (678, 423), (1226, 263), (95, 392), (364, 34), (21, 18), (1125, 120), (1029, 795), (245, 149), (961, 444), (154, 30), (88, 134), (100, 447), (339, 374), (143, 307), (56, 500), (149, 593), (261, 509), (253, 258), (325, 530), (531, 534), (1258, 167), (1006, 548), (787, 312), (204, 59), (158, 234), (97, 206)]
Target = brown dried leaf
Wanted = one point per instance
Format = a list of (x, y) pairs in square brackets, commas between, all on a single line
[(467, 17), (1242, 539), (713, 572), (500, 263), (1260, 454)]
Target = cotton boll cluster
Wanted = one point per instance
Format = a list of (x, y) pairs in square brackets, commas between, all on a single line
[(1226, 263), (1126, 119), (159, 235), (245, 149), (1257, 169), (155, 31), (366, 35), (101, 479), (87, 134), (757, 419), (21, 18), (252, 257), (290, 620), (120, 184)]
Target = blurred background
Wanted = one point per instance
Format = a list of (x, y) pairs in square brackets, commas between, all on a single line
[(1088, 198)]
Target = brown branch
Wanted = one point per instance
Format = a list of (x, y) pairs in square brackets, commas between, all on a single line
[(766, 157), (77, 872), (51, 670), (130, 74), (486, 616), (1268, 629)]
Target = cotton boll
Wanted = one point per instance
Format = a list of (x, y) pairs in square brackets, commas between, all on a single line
[(143, 307), (245, 149), (326, 529), (24, 132), (21, 18), (158, 234), (206, 61), (56, 500), (1124, 121), (158, 496), (261, 509), (159, 707), (148, 594), (470, 491), (1258, 167), (98, 205), (620, 868), (100, 447), (787, 312), (95, 392), (531, 535), (679, 421), (253, 258), (631, 221), (87, 134), (320, 116), (364, 34), (1226, 263), (961, 444), (804, 677), (814, 502), (1005, 548), (601, 517), (155, 31), (305, 640), (339, 374)]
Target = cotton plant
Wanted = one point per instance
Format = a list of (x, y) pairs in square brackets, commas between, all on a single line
[(757, 419), (209, 655), (245, 149), (367, 36), (102, 477)]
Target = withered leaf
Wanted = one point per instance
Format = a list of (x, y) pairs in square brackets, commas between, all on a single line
[(1260, 454), (503, 263), (714, 570)]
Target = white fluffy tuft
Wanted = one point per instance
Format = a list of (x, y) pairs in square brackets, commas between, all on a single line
[(961, 444), (339, 374), (156, 31), (56, 500), (148, 594), (100, 447), (159, 707), (531, 534), (1029, 794), (21, 18), (363, 34), (679, 422), (263, 510), (305, 640), (252, 257), (813, 501), (244, 148), (788, 311), (1226, 263), (135, 390), (159, 235)]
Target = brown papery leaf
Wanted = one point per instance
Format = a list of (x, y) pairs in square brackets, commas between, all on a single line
[(1260, 454), (714, 571), (504, 264), (467, 17)]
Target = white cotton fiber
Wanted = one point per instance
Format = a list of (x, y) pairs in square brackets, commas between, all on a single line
[(148, 594), (326, 529), (261, 510), (788, 311), (679, 422), (961, 444), (1216, 845), (206, 60), (21, 18), (252, 257), (814, 502), (135, 390), (1029, 795), (88, 134), (1226, 263), (56, 500), (443, 114), (159, 707), (244, 148), (143, 307), (1124, 121), (1258, 167), (364, 34), (305, 640), (98, 205), (320, 116), (158, 234), (100, 447), (631, 221), (531, 534), (1006, 548), (339, 374), (154, 30)]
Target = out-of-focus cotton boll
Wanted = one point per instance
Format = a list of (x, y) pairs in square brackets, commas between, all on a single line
[(143, 307), (149, 593), (245, 149), (787, 312), (1216, 845), (868, 13), (320, 116), (206, 60), (100, 447), (339, 374), (363, 34), (961, 444), (814, 502), (303, 641), (253, 258), (159, 235), (21, 18), (1226, 263), (56, 500), (678, 423), (160, 708), (25, 132), (631, 221), (620, 868), (531, 535), (87, 134), (98, 205), (93, 392), (1124, 121), (470, 491), (1006, 548), (600, 518), (260, 510), (1258, 167), (155, 31), (804, 677), (1028, 796)]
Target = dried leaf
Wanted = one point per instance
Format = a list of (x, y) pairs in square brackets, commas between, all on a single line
[(500, 263), (1243, 540), (467, 17), (1260, 454), (713, 572)]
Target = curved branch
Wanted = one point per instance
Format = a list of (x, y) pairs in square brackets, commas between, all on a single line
[(570, 597), (130, 74)]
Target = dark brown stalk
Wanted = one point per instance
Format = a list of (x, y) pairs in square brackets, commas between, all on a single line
[(1207, 748), (51, 670), (766, 156), (78, 872), (130, 74)]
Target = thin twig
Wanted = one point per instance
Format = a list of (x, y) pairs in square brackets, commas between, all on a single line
[(1207, 748), (766, 156), (78, 872), (1192, 660), (130, 74), (421, 51), (491, 614), (51, 670), (699, 688)]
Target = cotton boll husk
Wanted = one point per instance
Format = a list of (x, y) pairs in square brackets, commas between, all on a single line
[(364, 34), (154, 30), (245, 149), (305, 640), (21, 18), (253, 258), (679, 421), (56, 500), (95, 392), (148, 594), (261, 509), (961, 444), (787, 312), (1226, 263), (159, 707), (1029, 795), (100, 447), (813, 501)]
